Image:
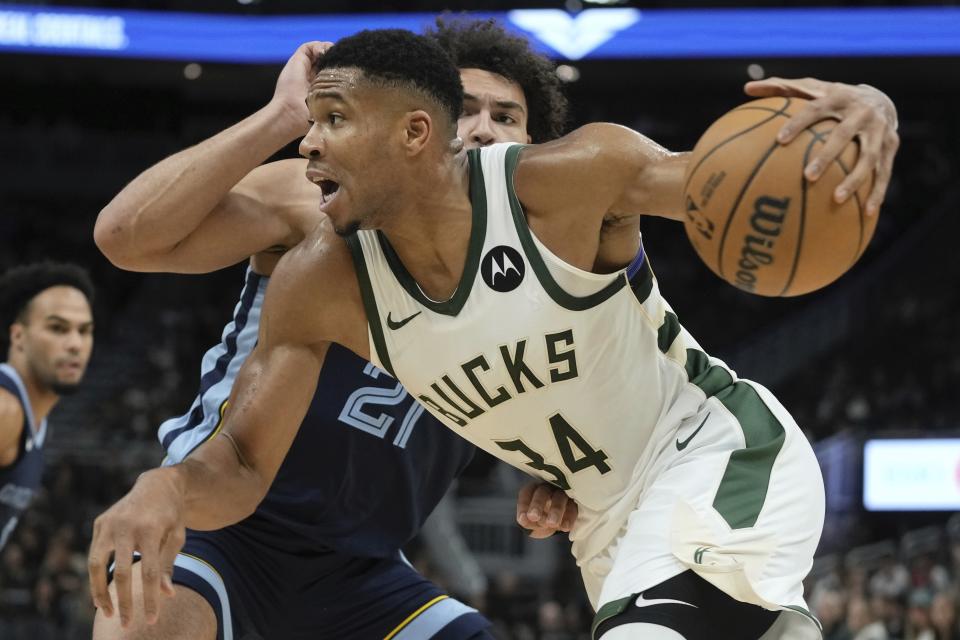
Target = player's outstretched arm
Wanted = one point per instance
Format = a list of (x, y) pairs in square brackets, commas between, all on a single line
[(864, 112), (199, 210), (225, 479)]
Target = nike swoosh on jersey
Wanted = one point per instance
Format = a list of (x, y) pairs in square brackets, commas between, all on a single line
[(683, 445), (396, 324), (644, 602)]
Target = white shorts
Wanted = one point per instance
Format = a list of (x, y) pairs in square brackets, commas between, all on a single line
[(740, 502)]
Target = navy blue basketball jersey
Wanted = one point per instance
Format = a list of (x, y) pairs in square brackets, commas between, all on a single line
[(367, 466), (20, 480)]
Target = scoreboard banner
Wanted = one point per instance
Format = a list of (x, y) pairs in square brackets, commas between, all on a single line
[(607, 33), (911, 474)]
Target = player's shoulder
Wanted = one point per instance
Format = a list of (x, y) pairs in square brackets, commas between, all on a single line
[(324, 251), (317, 282), (580, 174), (11, 417), (597, 146)]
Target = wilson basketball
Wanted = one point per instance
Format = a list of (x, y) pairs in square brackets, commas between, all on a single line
[(752, 216)]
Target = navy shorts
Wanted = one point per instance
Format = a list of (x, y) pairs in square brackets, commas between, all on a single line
[(259, 593)]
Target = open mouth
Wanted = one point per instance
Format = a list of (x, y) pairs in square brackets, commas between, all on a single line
[(328, 186), (329, 189)]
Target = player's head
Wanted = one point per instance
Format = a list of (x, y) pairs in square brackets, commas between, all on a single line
[(512, 94), (382, 103), (46, 310)]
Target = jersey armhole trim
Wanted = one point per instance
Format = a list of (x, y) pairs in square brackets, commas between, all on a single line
[(369, 302), (554, 290)]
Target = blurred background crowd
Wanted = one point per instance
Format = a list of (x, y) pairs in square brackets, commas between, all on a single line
[(875, 355)]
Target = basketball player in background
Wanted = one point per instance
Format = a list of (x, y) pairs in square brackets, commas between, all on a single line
[(368, 465), (49, 322), (94, 557)]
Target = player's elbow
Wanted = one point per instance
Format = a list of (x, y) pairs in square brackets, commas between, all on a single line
[(113, 235), (254, 481), (257, 487), (110, 236)]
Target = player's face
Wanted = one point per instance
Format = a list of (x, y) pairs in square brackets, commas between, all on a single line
[(494, 110), (55, 338), (350, 139)]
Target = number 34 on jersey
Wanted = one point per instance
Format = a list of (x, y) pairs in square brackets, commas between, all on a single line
[(575, 451)]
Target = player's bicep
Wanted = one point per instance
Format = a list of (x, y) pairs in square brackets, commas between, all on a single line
[(587, 172), (269, 209), (240, 226)]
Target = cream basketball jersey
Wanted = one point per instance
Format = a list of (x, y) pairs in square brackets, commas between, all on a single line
[(577, 377)]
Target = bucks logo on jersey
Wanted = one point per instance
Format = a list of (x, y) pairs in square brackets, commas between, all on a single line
[(468, 396)]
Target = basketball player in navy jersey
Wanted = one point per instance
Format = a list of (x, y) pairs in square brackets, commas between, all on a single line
[(368, 464), (250, 137), (46, 312)]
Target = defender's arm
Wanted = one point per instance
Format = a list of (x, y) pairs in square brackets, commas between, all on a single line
[(196, 210), (312, 297), (11, 427)]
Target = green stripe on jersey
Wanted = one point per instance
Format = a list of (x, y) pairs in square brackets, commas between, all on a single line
[(369, 302), (668, 331), (743, 488), (561, 297), (710, 378), (642, 281)]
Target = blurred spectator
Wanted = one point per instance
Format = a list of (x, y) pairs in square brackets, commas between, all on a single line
[(828, 606), (862, 623), (891, 581), (943, 616), (919, 626), (890, 612)]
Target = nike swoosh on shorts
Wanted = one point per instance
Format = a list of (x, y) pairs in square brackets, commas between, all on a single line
[(644, 602)]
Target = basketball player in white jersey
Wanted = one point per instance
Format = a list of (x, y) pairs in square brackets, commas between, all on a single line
[(560, 357), (45, 309), (227, 581)]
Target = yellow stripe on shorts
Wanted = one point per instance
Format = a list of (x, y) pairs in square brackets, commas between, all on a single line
[(413, 615)]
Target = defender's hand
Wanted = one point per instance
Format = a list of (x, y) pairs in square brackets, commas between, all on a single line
[(544, 509), (294, 82), (864, 113), (148, 520)]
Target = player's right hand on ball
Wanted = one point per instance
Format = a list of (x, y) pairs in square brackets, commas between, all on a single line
[(863, 112), (147, 520), (294, 83), (544, 509)]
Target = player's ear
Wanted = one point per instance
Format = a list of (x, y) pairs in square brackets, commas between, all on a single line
[(16, 336), (418, 129)]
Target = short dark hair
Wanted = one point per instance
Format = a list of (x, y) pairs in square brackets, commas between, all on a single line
[(397, 57), (20, 285), (484, 44)]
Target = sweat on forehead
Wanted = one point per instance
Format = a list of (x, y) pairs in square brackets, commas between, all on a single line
[(397, 58)]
